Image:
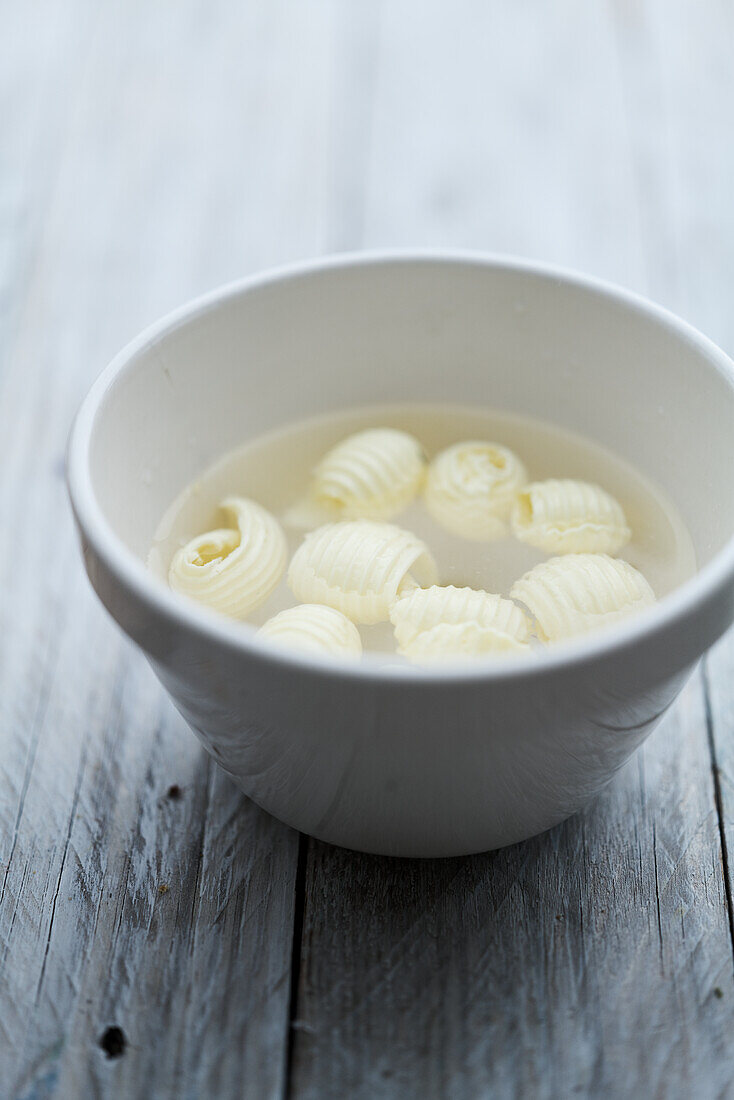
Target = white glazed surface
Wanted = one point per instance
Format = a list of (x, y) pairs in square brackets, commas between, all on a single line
[(410, 763)]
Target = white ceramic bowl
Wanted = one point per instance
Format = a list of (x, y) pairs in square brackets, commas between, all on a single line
[(424, 765)]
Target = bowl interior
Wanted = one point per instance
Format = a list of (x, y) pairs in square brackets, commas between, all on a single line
[(416, 330)]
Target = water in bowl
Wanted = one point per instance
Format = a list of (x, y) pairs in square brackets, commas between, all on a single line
[(274, 469)]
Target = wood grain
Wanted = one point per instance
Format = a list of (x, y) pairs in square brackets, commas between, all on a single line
[(149, 152), (596, 960), (533, 971), (135, 174)]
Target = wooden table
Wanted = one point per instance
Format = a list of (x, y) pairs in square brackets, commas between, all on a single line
[(152, 150)]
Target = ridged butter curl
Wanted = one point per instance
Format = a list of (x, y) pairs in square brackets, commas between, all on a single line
[(360, 568), (454, 622), (370, 475), (471, 488), (577, 593), (233, 569), (314, 628), (563, 516), (459, 642)]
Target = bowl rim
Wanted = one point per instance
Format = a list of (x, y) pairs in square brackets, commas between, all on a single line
[(135, 577)]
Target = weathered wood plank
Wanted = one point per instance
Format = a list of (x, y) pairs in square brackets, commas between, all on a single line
[(168, 152), (719, 669), (677, 82), (502, 127), (680, 125), (155, 153), (596, 960)]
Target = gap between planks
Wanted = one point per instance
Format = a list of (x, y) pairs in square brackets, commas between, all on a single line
[(299, 911), (718, 798)]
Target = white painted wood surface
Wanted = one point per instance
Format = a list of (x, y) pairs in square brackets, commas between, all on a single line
[(149, 152)]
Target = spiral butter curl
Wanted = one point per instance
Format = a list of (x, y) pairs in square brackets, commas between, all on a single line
[(577, 593), (233, 570), (563, 516), (471, 488), (360, 568)]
